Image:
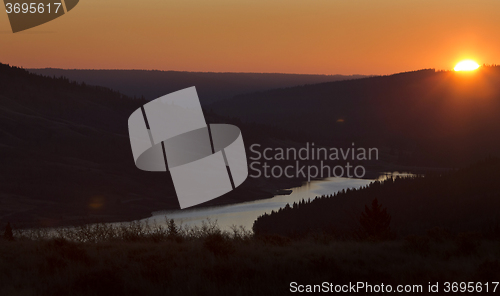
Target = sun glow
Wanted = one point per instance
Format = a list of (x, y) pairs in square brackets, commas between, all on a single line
[(467, 65)]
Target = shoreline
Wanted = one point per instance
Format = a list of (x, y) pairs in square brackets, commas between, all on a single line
[(268, 191)]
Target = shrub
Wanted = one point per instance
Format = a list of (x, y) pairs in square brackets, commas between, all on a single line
[(438, 234), (274, 239), (240, 234), (219, 244), (8, 235), (418, 244), (68, 250)]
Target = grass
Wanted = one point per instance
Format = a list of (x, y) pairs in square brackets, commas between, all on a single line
[(135, 259)]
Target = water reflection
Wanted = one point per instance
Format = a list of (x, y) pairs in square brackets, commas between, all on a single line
[(244, 214)]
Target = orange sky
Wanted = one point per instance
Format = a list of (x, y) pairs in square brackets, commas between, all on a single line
[(287, 36)]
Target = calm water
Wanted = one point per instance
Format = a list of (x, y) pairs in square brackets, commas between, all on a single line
[(244, 214)]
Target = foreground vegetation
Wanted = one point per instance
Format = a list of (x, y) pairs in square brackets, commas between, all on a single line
[(386, 243), (138, 259)]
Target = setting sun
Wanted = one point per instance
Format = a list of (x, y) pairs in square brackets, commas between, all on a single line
[(467, 65)]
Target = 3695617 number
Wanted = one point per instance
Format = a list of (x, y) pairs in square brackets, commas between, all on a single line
[(32, 7), (471, 287)]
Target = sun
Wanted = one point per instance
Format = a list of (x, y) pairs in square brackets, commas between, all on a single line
[(466, 65)]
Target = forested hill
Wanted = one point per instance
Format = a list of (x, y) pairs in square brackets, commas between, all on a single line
[(427, 117), (65, 155), (211, 86), (464, 200)]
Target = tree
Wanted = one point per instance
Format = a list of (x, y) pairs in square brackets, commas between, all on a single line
[(8, 235), (375, 221), (172, 229)]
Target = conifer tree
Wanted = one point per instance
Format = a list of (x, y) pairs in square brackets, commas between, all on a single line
[(8, 235), (375, 221)]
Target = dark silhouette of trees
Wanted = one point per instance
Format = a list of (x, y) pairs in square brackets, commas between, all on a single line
[(375, 221), (416, 204), (8, 235), (172, 230)]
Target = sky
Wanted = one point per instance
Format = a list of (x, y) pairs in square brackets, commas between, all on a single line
[(371, 37)]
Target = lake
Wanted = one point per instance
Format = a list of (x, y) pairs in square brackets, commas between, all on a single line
[(244, 214)]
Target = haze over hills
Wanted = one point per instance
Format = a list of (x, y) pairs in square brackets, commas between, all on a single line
[(211, 86), (425, 117)]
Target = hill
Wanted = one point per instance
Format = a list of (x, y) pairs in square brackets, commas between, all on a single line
[(211, 86), (65, 155), (460, 201), (424, 117)]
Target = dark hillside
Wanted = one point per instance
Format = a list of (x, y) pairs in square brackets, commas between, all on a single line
[(464, 200), (426, 117), (65, 155)]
